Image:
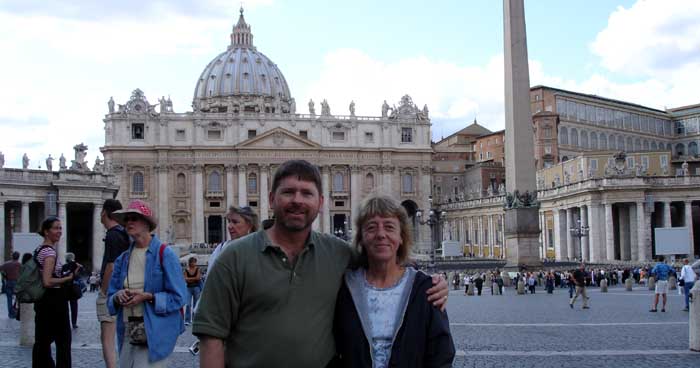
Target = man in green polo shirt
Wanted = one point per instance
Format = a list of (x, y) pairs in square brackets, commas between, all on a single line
[(269, 299)]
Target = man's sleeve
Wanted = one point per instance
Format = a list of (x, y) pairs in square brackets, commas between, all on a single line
[(217, 309)]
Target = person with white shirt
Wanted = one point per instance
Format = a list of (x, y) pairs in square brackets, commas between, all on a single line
[(688, 276)]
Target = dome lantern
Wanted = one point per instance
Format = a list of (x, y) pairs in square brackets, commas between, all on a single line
[(241, 36)]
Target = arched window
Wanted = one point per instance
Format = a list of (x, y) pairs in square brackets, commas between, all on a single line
[(646, 145), (563, 135), (637, 144), (338, 182), (603, 143), (668, 147), (253, 184), (137, 182), (620, 143), (680, 149), (214, 183), (630, 144), (692, 148), (407, 183), (654, 146), (573, 134), (594, 140), (180, 183), (369, 182), (584, 139)]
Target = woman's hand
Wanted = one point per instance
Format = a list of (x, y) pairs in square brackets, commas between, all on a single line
[(123, 296), (137, 297), (438, 293)]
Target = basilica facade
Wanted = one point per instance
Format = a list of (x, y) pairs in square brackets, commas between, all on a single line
[(192, 166)]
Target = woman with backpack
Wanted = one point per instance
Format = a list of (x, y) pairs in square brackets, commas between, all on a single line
[(52, 324), (146, 292)]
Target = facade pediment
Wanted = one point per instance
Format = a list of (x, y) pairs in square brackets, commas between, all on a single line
[(278, 138)]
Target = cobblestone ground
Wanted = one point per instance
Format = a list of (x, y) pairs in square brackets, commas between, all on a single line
[(489, 331)]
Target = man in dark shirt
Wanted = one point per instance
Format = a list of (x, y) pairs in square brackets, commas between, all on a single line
[(116, 242), (579, 279), (10, 272)]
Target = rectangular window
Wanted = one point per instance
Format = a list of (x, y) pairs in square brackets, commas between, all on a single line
[(548, 149), (340, 203), (253, 203), (304, 134), (214, 204), (645, 162), (252, 133), (663, 159), (488, 154), (180, 134), (137, 131), (214, 134), (407, 183), (369, 137), (548, 132), (593, 165), (338, 136), (406, 135), (630, 162)]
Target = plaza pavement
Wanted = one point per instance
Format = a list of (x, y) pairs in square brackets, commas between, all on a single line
[(489, 331)]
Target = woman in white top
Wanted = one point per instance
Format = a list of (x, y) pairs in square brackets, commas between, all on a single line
[(688, 276)]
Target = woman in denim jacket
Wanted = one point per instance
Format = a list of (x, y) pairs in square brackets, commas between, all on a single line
[(146, 293)]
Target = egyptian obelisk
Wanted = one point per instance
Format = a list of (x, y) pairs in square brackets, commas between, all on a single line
[(521, 214)]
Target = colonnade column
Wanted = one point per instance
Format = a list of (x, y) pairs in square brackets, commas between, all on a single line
[(543, 248), (688, 222), (570, 250), (264, 191), (585, 240), (503, 236), (355, 192), (62, 243), (594, 235), (229, 187), (25, 217), (482, 241), (163, 195), (667, 214), (492, 236), (609, 235), (198, 235), (634, 234), (2, 227), (559, 235), (98, 248), (325, 186), (242, 186), (643, 238), (624, 232)]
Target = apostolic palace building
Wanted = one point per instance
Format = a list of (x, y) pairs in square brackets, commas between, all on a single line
[(618, 168)]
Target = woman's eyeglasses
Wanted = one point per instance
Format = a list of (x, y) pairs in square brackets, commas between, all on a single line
[(129, 218)]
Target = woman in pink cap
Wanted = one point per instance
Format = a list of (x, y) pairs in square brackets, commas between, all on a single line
[(146, 292)]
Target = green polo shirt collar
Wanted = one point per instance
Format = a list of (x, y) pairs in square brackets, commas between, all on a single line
[(267, 243)]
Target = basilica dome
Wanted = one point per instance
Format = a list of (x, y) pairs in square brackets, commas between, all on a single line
[(242, 79)]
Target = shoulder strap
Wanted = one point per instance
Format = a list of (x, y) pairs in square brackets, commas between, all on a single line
[(36, 254), (160, 253)]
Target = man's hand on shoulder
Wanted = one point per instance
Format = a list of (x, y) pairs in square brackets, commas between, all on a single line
[(438, 293)]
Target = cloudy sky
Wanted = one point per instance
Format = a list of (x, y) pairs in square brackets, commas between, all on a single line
[(63, 59)]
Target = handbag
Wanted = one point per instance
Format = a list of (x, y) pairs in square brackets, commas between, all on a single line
[(681, 282), (73, 290), (136, 330)]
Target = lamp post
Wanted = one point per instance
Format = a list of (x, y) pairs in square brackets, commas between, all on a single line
[(433, 220), (579, 231)]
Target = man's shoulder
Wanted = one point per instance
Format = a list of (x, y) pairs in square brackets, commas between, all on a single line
[(332, 242)]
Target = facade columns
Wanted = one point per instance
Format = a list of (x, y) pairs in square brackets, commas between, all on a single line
[(2, 229), (482, 241), (585, 240), (595, 243), (609, 233), (242, 186), (198, 235), (492, 236), (229, 187), (355, 193), (98, 248), (62, 243), (634, 234), (25, 217), (163, 195), (387, 172), (325, 186), (570, 249), (667, 214), (688, 222), (624, 232), (643, 238), (560, 235), (264, 192)]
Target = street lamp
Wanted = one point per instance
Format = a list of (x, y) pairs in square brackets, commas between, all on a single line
[(435, 217), (579, 231)]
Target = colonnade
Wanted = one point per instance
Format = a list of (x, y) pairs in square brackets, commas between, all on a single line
[(480, 234)]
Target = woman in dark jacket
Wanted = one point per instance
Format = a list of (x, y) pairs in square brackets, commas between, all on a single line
[(382, 317)]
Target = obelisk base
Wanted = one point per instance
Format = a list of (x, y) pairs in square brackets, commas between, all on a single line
[(522, 235)]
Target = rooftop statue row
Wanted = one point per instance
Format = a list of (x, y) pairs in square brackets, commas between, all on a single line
[(79, 163)]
